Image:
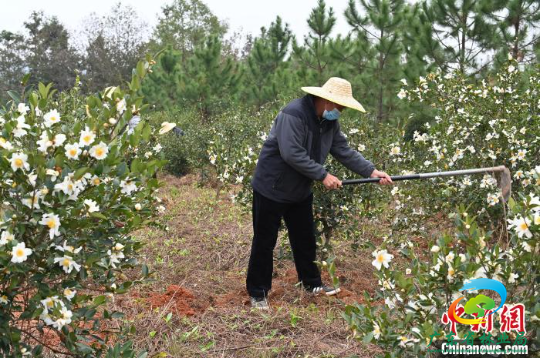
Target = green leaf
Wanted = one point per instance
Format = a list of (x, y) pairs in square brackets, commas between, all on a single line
[(80, 172), (98, 215)]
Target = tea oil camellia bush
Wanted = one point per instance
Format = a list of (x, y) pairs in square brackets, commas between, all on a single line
[(475, 126), (73, 190)]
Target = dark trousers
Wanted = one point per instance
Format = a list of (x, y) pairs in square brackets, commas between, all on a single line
[(298, 218)]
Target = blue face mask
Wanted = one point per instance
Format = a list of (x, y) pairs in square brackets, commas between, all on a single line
[(331, 115)]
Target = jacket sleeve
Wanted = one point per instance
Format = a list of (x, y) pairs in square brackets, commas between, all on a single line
[(349, 157), (290, 133)]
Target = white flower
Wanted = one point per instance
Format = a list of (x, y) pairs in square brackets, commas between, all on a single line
[(22, 108), (408, 271), (5, 144), (95, 180), (44, 143), (376, 331), (395, 151), (354, 131), (492, 199), (51, 117), (166, 127), (66, 318), (99, 151), (32, 201), (161, 209), (20, 253), (435, 248), (21, 126), (404, 81), (382, 257), (121, 106), (402, 94), (513, 277), (112, 121), (73, 151), (6, 237), (19, 161), (450, 257), (92, 205), (68, 248), (511, 68), (128, 187), (394, 190), (138, 207), (59, 139), (52, 221), (69, 293), (521, 226), (157, 148), (451, 273), (67, 263), (87, 137)]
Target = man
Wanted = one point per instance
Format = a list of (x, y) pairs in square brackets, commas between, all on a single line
[(292, 157)]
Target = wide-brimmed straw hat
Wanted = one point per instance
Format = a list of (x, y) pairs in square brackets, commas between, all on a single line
[(336, 90)]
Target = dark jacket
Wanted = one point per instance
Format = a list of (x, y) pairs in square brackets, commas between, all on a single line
[(296, 147)]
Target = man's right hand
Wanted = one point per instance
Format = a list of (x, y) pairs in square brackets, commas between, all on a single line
[(331, 182)]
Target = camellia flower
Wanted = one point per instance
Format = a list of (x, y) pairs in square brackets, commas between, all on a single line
[(121, 106), (22, 108), (20, 252), (5, 144), (382, 257), (376, 330), (73, 151), (6, 237), (21, 126), (395, 151), (521, 226), (128, 187), (166, 127), (87, 137), (65, 319), (19, 161), (68, 248), (435, 248), (69, 293), (67, 263), (59, 139), (51, 117), (52, 221), (92, 205), (44, 143), (99, 151)]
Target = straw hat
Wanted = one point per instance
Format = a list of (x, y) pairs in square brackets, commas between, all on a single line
[(336, 90)]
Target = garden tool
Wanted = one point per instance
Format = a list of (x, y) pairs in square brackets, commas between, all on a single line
[(504, 182)]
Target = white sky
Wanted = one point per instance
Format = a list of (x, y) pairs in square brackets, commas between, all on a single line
[(245, 15)]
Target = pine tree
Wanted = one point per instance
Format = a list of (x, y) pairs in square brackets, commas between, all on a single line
[(209, 81), (381, 25), (12, 63), (267, 72), (314, 57), (162, 86), (515, 30), (464, 30)]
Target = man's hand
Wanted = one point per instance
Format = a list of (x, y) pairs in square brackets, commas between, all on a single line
[(331, 182), (385, 178)]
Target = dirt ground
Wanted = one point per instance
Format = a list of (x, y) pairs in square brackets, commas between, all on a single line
[(197, 304)]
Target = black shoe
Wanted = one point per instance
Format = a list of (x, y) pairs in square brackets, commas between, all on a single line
[(327, 290)]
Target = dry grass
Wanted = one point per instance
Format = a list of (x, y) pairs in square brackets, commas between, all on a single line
[(197, 304)]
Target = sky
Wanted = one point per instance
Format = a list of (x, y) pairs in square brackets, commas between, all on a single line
[(247, 16)]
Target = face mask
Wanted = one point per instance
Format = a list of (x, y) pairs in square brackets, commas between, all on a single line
[(331, 115)]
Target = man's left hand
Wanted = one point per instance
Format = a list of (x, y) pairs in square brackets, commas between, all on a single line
[(385, 178)]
